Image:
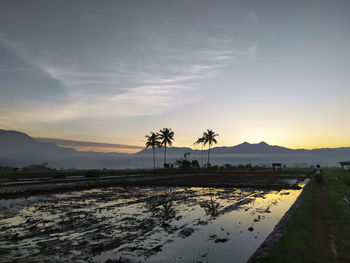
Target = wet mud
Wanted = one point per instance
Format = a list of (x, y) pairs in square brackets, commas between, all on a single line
[(40, 186), (140, 224)]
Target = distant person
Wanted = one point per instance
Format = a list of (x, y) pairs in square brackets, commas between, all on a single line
[(318, 174)]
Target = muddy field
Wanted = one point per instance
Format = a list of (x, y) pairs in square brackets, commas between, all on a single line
[(140, 224), (47, 185)]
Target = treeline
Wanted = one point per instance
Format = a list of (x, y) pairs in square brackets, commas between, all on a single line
[(165, 137)]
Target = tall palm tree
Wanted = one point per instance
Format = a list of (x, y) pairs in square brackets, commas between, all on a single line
[(209, 138), (152, 141), (166, 137), (201, 141)]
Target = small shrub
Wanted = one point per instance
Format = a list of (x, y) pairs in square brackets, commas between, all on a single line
[(195, 164)]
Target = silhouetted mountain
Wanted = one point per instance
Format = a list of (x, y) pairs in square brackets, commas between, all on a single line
[(13, 138), (244, 148), (169, 150), (20, 142), (19, 149)]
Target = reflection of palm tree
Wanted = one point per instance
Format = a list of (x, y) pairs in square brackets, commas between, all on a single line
[(168, 210), (152, 142), (210, 207), (153, 208), (166, 136), (209, 137), (164, 208)]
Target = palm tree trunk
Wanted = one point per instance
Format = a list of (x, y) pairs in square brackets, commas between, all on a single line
[(209, 153), (164, 153), (154, 160), (202, 156)]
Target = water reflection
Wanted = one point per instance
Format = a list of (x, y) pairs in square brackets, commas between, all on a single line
[(210, 207), (167, 209), (140, 224), (162, 209)]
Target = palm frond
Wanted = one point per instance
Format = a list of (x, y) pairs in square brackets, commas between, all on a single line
[(166, 136), (152, 140), (209, 137)]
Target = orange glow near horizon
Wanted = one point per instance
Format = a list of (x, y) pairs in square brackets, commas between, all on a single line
[(101, 149), (198, 147)]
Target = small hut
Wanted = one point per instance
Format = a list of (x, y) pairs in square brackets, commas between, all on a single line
[(277, 166), (345, 165)]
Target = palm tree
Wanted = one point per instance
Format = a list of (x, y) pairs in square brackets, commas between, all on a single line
[(209, 137), (153, 142), (201, 141), (166, 137)]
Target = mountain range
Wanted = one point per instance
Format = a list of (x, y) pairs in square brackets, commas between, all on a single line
[(254, 148), (18, 149)]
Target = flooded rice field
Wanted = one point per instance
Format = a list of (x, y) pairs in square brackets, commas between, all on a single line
[(139, 224)]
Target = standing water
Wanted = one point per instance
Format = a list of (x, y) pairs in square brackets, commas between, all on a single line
[(121, 224)]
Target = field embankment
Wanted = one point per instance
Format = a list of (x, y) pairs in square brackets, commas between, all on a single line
[(319, 230)]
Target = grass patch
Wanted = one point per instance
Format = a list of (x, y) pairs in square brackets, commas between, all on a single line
[(319, 230)]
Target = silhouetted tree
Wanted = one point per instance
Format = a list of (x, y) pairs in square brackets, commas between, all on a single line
[(195, 164), (201, 141), (183, 163), (209, 138), (166, 137), (152, 141)]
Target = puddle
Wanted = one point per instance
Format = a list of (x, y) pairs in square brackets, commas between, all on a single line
[(141, 224)]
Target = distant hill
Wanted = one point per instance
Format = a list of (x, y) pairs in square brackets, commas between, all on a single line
[(246, 147), (250, 148), (169, 150), (15, 138), (19, 149), (243, 148), (254, 148)]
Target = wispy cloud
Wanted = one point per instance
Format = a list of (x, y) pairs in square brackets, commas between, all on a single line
[(234, 54), (216, 54), (174, 79), (154, 95), (72, 78), (203, 68), (67, 75), (152, 99), (140, 101), (19, 50), (121, 89), (50, 114)]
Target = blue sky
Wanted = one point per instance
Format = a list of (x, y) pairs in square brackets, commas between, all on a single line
[(111, 71)]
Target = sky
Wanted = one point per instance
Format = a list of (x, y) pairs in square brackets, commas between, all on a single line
[(112, 71)]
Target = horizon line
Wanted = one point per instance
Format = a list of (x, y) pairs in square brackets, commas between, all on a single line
[(77, 144)]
